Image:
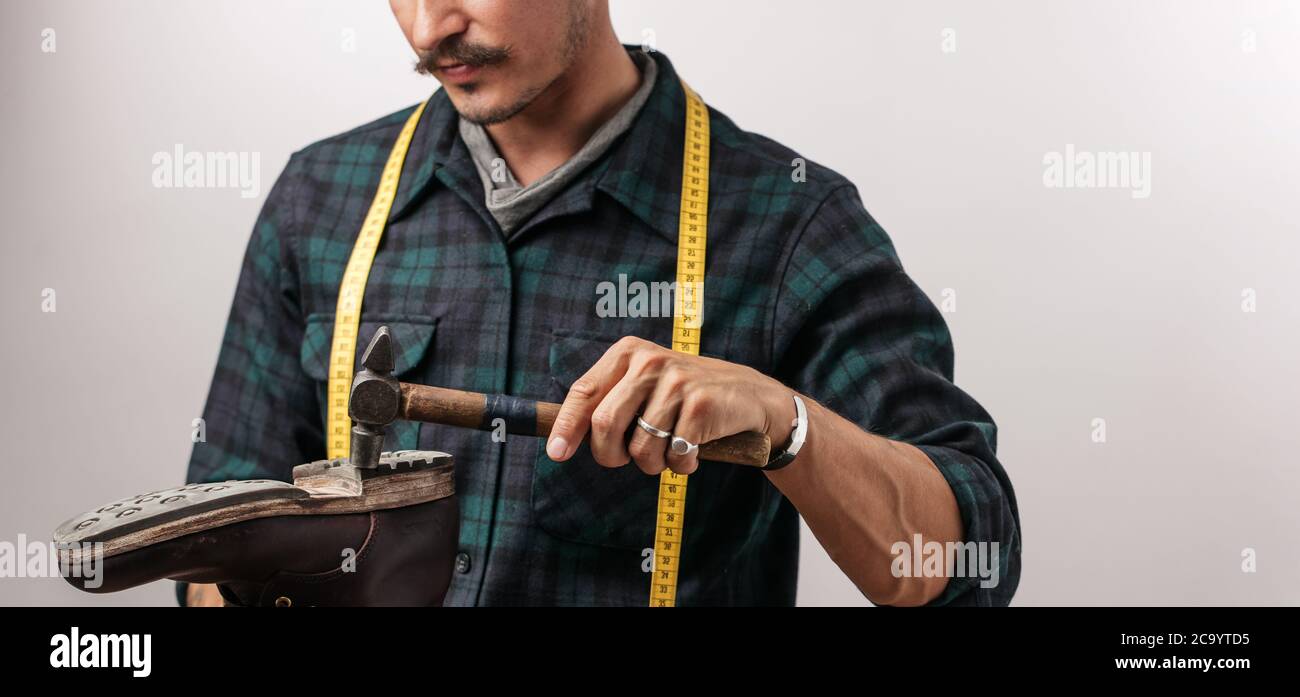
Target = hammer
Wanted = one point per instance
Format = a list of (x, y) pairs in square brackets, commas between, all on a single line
[(377, 399)]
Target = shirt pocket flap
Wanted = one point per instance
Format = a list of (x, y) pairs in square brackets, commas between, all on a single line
[(411, 340)]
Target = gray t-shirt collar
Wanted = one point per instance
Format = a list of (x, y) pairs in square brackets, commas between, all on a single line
[(511, 204)]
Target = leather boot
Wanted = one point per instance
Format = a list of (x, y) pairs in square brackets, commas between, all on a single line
[(271, 543)]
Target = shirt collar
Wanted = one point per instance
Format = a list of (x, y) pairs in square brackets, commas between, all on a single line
[(431, 150), (642, 171)]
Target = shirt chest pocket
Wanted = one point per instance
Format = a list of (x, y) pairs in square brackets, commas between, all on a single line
[(413, 349), (578, 500)]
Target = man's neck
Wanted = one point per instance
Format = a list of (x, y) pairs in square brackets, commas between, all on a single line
[(562, 119)]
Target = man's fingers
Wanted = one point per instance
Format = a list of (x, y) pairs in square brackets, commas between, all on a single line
[(612, 417), (203, 595), (661, 412), (694, 427), (584, 396)]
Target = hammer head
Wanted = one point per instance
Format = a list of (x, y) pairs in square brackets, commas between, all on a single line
[(375, 400)]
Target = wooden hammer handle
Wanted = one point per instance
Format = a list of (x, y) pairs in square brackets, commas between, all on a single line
[(440, 405)]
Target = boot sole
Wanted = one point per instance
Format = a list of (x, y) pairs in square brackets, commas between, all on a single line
[(404, 478)]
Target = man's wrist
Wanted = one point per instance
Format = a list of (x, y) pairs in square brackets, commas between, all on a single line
[(780, 417), (785, 451)]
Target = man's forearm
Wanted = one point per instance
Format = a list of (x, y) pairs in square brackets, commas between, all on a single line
[(861, 493)]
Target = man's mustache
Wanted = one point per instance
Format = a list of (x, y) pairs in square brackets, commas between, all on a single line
[(460, 51)]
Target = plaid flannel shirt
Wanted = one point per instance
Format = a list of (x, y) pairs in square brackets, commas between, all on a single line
[(802, 284)]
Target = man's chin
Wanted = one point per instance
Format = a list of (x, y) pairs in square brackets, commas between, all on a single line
[(475, 106)]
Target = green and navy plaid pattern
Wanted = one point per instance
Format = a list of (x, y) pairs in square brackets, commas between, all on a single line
[(802, 285)]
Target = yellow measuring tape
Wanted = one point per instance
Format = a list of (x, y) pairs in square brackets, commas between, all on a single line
[(347, 315), (688, 318), (688, 312)]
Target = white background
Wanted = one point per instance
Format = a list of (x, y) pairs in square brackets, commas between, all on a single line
[(1071, 304)]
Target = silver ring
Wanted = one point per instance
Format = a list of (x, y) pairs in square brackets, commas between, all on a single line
[(656, 432), (681, 446)]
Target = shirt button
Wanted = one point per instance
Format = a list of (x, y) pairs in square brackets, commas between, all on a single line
[(462, 563)]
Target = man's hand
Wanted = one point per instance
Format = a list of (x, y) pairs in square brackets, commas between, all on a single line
[(697, 399), (203, 595)]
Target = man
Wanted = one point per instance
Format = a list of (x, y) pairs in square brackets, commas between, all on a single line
[(550, 163)]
